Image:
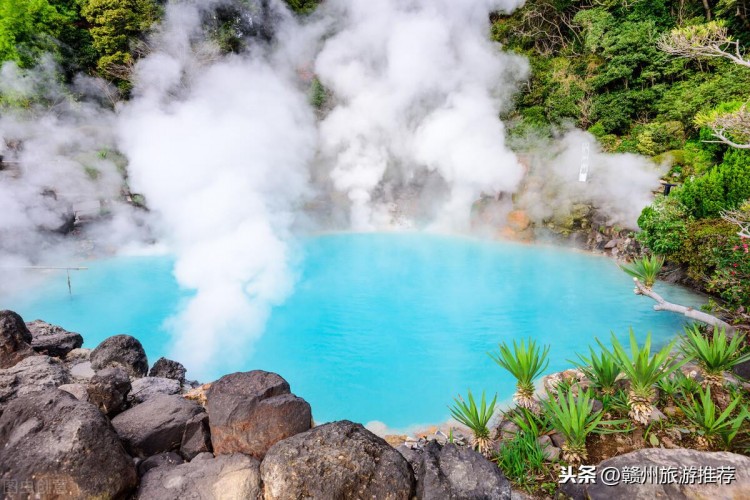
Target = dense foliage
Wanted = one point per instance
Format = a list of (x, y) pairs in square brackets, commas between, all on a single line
[(603, 66)]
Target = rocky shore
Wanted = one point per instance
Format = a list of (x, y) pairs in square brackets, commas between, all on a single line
[(80, 423), (103, 423)]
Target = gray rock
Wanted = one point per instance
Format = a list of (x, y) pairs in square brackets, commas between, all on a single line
[(508, 430), (205, 478), (168, 459), (197, 437), (743, 370), (656, 415), (147, 387), (454, 472), (662, 458), (78, 355), (336, 460), (552, 453), (15, 339), (251, 411), (108, 390), (557, 439), (53, 340), (155, 426), (121, 351), (50, 435), (168, 369), (32, 374), (80, 391), (82, 372)]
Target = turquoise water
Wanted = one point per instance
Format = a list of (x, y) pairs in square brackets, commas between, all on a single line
[(383, 327)]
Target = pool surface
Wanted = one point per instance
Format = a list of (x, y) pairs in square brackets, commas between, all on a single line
[(382, 327)]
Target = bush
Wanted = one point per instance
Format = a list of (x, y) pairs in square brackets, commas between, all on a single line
[(663, 225), (724, 187)]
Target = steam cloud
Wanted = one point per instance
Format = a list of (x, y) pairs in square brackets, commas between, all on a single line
[(228, 152)]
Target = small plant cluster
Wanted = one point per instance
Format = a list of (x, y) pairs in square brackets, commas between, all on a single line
[(619, 391)]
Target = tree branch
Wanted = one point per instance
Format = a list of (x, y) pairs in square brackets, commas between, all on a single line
[(688, 312)]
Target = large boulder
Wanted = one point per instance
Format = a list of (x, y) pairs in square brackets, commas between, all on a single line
[(155, 426), (251, 411), (336, 460), (197, 437), (32, 374), (455, 472), (109, 389), (66, 447), (52, 339), (654, 464), (167, 459), (205, 478), (168, 369), (121, 351), (15, 339), (148, 387)]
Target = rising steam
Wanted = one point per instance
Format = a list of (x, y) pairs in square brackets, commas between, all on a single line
[(230, 155)]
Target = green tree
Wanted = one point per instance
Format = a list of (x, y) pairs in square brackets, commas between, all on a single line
[(115, 24), (28, 28)]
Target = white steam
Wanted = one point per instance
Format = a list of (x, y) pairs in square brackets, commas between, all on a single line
[(220, 150), (227, 151), (419, 88)]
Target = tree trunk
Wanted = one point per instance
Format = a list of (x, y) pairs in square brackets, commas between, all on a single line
[(688, 312), (707, 7)]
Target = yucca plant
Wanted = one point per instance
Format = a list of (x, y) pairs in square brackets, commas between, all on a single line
[(602, 370), (574, 418), (475, 418), (712, 423), (536, 424), (644, 371), (525, 362), (714, 355), (645, 270)]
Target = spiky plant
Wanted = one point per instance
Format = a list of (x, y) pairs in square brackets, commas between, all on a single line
[(712, 423), (525, 362), (475, 418), (536, 424), (644, 371), (714, 355), (602, 370), (645, 270), (574, 418)]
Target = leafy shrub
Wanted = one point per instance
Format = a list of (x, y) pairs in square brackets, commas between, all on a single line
[(725, 187), (663, 225)]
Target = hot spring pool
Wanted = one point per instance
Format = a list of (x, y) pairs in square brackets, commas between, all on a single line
[(383, 327)]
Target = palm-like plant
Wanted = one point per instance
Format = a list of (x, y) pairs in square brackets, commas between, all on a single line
[(644, 371), (714, 355), (713, 424), (645, 270), (574, 418), (602, 370), (475, 418), (525, 362), (536, 424)]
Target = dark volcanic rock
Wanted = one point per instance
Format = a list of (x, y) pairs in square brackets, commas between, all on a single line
[(33, 374), (167, 459), (155, 426), (53, 340), (197, 437), (168, 369), (251, 411), (205, 478), (121, 351), (661, 459), (337, 460), (109, 389), (15, 339), (454, 472), (54, 441), (743, 370), (148, 387)]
